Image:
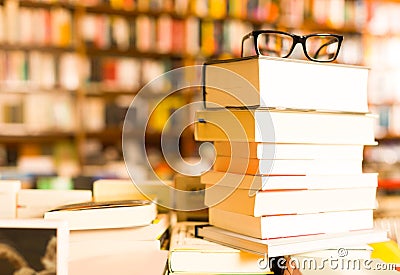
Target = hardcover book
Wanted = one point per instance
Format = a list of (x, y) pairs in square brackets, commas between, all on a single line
[(279, 226), (259, 150), (261, 182), (287, 166), (282, 126), (279, 202), (288, 83), (33, 203), (100, 215), (153, 231), (290, 245)]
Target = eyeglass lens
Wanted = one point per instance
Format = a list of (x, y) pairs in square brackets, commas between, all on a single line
[(274, 44), (322, 47), (318, 47)]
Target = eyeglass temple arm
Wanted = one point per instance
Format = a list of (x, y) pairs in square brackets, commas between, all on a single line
[(241, 50), (323, 46), (247, 36)]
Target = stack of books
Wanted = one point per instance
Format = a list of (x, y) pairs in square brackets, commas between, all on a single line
[(110, 232), (289, 138), (191, 255)]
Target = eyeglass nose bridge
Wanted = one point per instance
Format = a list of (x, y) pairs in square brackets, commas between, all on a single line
[(299, 39)]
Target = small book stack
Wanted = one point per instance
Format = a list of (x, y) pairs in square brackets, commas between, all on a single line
[(109, 232), (289, 138), (190, 255)]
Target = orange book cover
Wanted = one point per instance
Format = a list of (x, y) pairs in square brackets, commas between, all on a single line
[(178, 31)]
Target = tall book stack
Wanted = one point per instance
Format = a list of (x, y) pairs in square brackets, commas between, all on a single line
[(289, 138)]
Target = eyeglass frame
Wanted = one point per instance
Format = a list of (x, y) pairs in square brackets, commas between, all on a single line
[(296, 39)]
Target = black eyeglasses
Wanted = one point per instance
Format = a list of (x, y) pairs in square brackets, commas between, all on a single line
[(316, 47)]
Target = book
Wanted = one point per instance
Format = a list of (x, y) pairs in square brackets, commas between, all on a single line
[(285, 83), (139, 261), (164, 36), (115, 190), (209, 43), (96, 107), (106, 247), (189, 205), (8, 198), (290, 245), (217, 9), (125, 189), (153, 231), (179, 35), (388, 206), (288, 151), (111, 214), (33, 203), (287, 166), (261, 182), (282, 126), (33, 246), (279, 202), (194, 255), (279, 226), (192, 42)]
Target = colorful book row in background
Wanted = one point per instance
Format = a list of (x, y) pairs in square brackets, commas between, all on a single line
[(191, 31), (38, 70)]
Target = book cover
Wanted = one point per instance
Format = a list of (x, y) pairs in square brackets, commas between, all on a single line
[(178, 36)]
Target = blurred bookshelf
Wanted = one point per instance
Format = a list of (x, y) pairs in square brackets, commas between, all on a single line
[(70, 69)]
